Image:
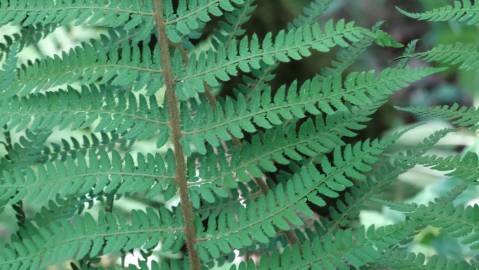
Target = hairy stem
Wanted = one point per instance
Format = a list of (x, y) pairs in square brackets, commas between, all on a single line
[(174, 119)]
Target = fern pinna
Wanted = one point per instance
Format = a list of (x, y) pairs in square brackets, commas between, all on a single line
[(258, 178)]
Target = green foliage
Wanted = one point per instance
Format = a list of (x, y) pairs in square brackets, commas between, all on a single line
[(311, 13), (190, 15), (129, 15), (455, 222), (270, 149), (461, 116), (464, 56), (308, 185), (85, 237), (247, 54), (122, 112), (236, 166), (410, 261), (92, 172), (233, 117), (464, 11), (230, 27), (102, 63), (343, 250)]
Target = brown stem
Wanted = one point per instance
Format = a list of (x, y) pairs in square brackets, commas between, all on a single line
[(174, 119)]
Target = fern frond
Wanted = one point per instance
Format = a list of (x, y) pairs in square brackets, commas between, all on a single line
[(127, 14), (85, 237), (410, 50), (26, 151), (26, 36), (93, 173), (400, 260), (384, 39), (346, 57), (310, 13), (463, 55), (8, 72), (348, 208), (343, 250), (328, 95), (265, 74), (230, 27), (461, 116), (314, 137), (464, 11), (283, 205), (464, 167), (249, 53), (31, 149), (458, 222), (257, 79), (73, 147), (103, 62), (55, 211), (136, 117), (191, 14), (278, 146)]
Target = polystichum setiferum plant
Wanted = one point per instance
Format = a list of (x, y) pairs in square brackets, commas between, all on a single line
[(239, 180)]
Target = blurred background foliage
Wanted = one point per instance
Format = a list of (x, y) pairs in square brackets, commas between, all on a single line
[(418, 185)]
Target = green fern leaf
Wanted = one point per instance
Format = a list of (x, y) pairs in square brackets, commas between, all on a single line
[(465, 56), (464, 11), (348, 209), (55, 212), (102, 63), (461, 116), (198, 129), (346, 57), (26, 151), (191, 14), (248, 54), (341, 251), (310, 13), (456, 222), (85, 237), (464, 167), (32, 148), (136, 117), (401, 260), (282, 206), (278, 146), (73, 147), (95, 172), (128, 14), (7, 73), (233, 117), (257, 79), (230, 27), (410, 50)]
